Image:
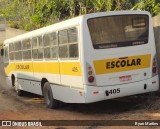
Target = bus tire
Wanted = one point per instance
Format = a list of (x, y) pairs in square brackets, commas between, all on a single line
[(18, 91), (50, 102)]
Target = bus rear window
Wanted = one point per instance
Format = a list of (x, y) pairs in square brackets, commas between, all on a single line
[(119, 31)]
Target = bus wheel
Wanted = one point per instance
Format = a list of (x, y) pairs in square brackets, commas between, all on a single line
[(48, 97)]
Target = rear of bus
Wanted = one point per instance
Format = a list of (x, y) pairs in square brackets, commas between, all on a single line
[(119, 55)]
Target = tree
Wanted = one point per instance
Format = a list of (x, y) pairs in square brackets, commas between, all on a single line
[(153, 6), (33, 14)]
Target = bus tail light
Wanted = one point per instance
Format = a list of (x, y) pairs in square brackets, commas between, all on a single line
[(90, 79), (154, 66), (90, 74)]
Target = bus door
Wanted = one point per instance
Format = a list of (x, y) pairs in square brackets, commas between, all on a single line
[(23, 64), (51, 64), (70, 68)]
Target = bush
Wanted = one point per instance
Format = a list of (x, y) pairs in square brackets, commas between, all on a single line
[(27, 27), (14, 25)]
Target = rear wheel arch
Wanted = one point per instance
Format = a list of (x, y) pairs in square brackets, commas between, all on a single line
[(13, 80), (43, 81), (19, 92)]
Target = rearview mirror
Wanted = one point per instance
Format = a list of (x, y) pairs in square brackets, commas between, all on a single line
[(2, 52)]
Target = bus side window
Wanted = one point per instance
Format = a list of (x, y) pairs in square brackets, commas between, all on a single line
[(11, 51), (37, 47), (18, 52), (54, 45), (73, 42), (40, 53), (26, 49), (40, 47), (40, 41), (68, 43), (50, 45), (47, 52), (34, 48), (63, 44)]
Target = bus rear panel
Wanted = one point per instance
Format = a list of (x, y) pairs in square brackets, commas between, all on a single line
[(120, 57)]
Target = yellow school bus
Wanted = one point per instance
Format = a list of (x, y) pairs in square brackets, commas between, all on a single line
[(85, 59)]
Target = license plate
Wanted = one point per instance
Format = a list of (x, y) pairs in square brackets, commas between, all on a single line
[(125, 78)]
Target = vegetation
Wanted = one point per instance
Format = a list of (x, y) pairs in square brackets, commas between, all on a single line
[(33, 14), (153, 6)]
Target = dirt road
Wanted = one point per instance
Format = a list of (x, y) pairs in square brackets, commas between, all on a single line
[(31, 107)]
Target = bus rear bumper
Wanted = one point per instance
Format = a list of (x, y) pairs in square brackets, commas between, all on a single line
[(95, 93)]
